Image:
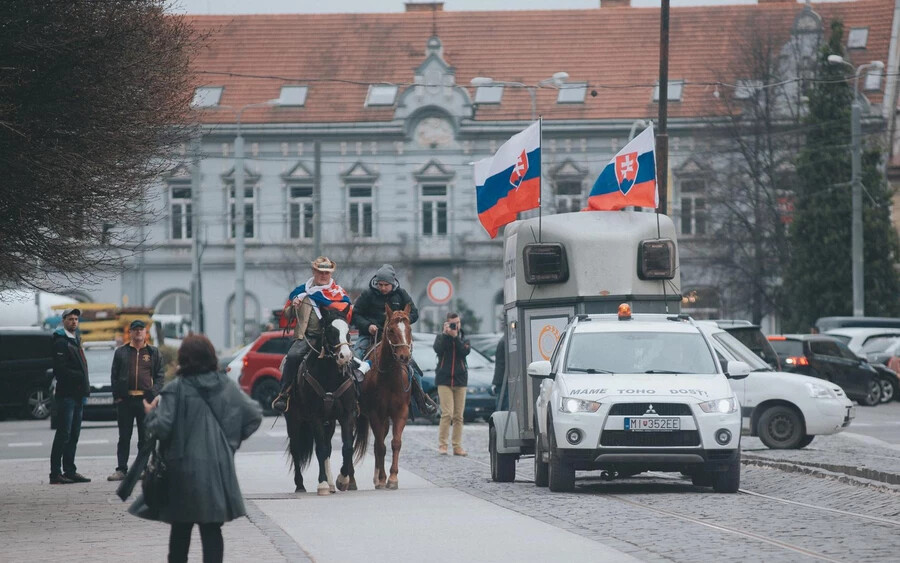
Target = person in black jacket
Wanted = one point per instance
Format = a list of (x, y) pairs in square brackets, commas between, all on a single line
[(451, 377), (369, 316), (72, 388), (137, 373)]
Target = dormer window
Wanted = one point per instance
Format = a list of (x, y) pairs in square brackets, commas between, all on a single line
[(674, 92), (488, 94), (571, 93), (381, 95), (857, 37), (207, 97), (293, 96)]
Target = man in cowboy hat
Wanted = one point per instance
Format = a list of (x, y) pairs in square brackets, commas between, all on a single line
[(302, 305)]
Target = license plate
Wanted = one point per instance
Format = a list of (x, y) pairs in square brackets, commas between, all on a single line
[(652, 424), (99, 401)]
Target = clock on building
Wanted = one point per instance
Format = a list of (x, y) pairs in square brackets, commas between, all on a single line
[(433, 132)]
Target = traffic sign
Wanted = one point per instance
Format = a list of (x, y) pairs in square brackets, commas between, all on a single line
[(440, 290)]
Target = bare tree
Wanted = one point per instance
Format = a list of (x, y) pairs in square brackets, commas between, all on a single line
[(94, 103)]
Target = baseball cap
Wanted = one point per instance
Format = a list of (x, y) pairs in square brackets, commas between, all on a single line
[(137, 324), (67, 312), (324, 264)]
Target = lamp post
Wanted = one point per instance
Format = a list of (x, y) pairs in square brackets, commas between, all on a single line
[(239, 220), (856, 232), (557, 80)]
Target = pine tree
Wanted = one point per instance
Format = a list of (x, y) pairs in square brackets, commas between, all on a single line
[(818, 281)]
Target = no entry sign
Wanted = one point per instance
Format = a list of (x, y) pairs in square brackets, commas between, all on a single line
[(440, 290)]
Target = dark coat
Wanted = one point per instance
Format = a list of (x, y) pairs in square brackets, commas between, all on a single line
[(452, 369), (122, 372), (202, 481), (69, 366), (499, 363), (369, 308)]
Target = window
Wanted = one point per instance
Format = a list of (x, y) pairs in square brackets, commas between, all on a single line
[(249, 212), (693, 207), (488, 94), (568, 196), (434, 209), (206, 97), (857, 37), (180, 212), (360, 212), (825, 348), (300, 206), (873, 79), (278, 346), (746, 89), (292, 96), (571, 93), (674, 92), (381, 95), (175, 303)]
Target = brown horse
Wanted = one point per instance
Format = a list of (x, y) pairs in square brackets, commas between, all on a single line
[(385, 395)]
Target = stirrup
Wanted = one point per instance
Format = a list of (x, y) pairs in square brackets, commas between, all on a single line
[(284, 398)]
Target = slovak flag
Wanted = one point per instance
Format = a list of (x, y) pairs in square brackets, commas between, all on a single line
[(509, 181), (629, 178)]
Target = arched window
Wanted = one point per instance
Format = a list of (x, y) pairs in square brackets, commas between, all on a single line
[(173, 303), (252, 326)]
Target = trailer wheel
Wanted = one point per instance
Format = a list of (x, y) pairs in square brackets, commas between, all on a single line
[(541, 469), (503, 466), (560, 475)]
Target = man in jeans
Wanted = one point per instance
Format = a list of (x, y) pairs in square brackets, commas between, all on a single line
[(451, 377), (72, 388), (137, 374)]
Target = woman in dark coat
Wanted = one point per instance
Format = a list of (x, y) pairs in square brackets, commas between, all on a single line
[(200, 419)]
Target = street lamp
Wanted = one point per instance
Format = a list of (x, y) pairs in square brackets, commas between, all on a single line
[(856, 232), (557, 80), (239, 220)]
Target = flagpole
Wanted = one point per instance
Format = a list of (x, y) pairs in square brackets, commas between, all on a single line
[(541, 176)]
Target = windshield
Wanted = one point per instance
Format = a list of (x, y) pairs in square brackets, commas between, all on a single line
[(639, 352), (785, 348), (734, 349), (99, 361)]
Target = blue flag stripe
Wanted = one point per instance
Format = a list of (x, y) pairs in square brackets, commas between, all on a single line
[(607, 182), (496, 187)]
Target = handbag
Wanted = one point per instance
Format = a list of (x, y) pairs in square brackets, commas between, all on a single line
[(155, 480)]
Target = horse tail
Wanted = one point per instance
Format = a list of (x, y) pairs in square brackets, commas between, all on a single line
[(361, 441), (300, 441)]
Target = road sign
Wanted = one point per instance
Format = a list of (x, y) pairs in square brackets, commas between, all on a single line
[(440, 290)]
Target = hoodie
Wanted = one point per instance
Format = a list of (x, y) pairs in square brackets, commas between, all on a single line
[(369, 308)]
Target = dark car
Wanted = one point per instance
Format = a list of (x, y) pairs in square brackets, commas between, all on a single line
[(25, 357), (99, 404), (884, 352), (752, 337), (830, 359), (480, 403)]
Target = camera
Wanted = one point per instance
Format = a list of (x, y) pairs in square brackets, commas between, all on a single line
[(452, 326)]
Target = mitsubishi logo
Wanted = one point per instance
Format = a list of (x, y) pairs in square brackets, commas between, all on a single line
[(650, 410)]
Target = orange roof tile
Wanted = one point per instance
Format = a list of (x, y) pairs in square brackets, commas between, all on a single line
[(612, 49)]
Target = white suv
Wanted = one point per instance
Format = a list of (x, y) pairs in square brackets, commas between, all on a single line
[(628, 394)]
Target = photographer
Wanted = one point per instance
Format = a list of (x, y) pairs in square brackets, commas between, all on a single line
[(451, 377)]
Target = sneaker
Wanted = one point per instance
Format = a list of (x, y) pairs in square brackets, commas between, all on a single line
[(117, 476), (442, 450), (60, 480), (459, 451), (77, 478)]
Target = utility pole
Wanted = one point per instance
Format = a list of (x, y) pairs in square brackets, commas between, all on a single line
[(662, 136), (317, 200), (856, 230), (239, 236), (195, 235)]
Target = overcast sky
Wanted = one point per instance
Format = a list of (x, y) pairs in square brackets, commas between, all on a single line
[(319, 6)]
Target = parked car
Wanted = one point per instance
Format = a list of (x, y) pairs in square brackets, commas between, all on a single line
[(260, 367), (485, 343), (99, 405), (830, 359), (856, 337), (785, 410), (230, 363), (25, 356), (480, 403), (752, 337), (825, 324)]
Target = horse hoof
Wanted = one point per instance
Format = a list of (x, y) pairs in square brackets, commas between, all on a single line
[(323, 490), (300, 490), (331, 489), (379, 486), (352, 484), (392, 485), (343, 483)]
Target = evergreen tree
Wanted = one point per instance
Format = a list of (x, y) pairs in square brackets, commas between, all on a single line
[(818, 281)]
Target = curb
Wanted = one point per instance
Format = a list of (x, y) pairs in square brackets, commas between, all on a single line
[(860, 476)]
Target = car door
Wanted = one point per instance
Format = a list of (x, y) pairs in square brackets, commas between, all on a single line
[(858, 372), (823, 356)]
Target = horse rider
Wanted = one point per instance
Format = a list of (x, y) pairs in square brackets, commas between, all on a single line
[(303, 306), (369, 317)]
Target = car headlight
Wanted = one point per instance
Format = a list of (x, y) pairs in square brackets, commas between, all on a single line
[(570, 405), (820, 391), (720, 406), (473, 390)]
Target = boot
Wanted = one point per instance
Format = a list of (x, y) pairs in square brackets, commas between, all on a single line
[(423, 402)]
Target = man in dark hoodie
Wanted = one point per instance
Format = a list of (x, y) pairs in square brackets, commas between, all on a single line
[(72, 388), (369, 317)]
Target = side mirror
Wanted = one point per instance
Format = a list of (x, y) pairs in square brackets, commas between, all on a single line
[(539, 370), (737, 370)]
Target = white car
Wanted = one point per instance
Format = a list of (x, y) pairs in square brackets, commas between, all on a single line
[(628, 395), (235, 367), (785, 410), (855, 337)]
